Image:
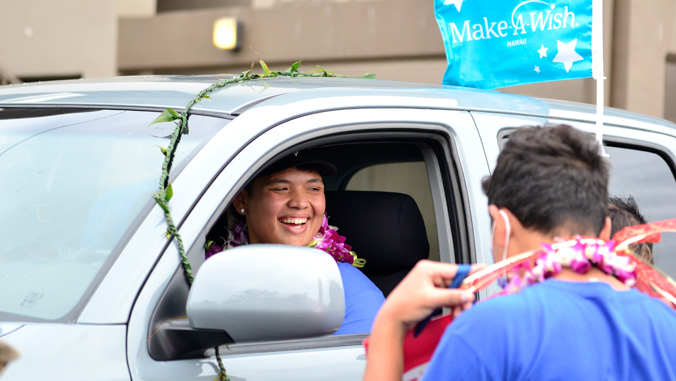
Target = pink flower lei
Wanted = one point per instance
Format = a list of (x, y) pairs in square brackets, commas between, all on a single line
[(327, 239), (579, 254)]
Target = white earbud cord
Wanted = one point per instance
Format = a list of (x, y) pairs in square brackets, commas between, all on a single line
[(507, 232)]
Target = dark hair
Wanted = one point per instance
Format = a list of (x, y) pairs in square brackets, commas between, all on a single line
[(624, 212), (552, 179)]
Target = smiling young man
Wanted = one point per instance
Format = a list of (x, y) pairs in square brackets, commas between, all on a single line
[(286, 205), (579, 325)]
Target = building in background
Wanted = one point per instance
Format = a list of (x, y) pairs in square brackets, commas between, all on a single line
[(395, 39)]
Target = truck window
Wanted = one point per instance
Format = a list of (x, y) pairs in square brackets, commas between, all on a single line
[(649, 178), (409, 178)]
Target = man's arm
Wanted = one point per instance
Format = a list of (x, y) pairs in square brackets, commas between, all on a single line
[(422, 291)]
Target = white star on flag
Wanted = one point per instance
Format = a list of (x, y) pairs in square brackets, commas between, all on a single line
[(457, 3), (542, 51), (537, 69), (567, 54)]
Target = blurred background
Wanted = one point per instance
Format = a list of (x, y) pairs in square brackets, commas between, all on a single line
[(395, 39)]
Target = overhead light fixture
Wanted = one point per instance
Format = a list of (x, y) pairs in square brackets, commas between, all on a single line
[(226, 33)]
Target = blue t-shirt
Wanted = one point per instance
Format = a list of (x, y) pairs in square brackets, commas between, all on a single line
[(362, 300), (559, 330)]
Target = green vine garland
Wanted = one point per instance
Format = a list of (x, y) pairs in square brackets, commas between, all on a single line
[(165, 192)]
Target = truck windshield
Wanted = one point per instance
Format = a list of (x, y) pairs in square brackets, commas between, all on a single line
[(73, 186)]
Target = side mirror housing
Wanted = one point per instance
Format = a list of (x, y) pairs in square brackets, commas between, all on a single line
[(268, 292)]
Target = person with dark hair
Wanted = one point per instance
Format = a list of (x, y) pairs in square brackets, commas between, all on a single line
[(552, 181), (285, 204), (624, 212), (571, 314)]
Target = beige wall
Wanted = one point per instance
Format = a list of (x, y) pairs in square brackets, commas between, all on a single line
[(47, 38), (136, 8), (352, 33), (670, 89), (645, 33), (396, 39)]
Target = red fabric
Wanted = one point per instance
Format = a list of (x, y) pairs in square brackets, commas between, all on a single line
[(651, 231), (418, 350)]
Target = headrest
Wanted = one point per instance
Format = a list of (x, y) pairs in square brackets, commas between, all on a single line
[(384, 228)]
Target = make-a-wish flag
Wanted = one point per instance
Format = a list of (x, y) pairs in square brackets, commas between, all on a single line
[(497, 43)]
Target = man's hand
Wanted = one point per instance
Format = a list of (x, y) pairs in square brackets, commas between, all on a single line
[(421, 292)]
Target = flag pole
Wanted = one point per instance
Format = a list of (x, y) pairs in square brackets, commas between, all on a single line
[(597, 69)]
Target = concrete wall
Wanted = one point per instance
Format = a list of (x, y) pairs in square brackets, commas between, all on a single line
[(356, 34), (670, 89), (396, 39), (65, 38), (136, 8), (644, 35)]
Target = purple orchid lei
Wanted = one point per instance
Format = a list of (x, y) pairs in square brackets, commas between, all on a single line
[(327, 239), (580, 255)]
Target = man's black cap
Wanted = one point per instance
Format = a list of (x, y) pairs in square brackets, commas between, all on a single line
[(303, 160)]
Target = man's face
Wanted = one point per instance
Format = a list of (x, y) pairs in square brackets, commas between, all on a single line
[(286, 207)]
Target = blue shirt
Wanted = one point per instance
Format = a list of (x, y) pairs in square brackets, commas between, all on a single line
[(362, 300), (558, 330)]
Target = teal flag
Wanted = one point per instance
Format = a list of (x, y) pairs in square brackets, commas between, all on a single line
[(498, 43)]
